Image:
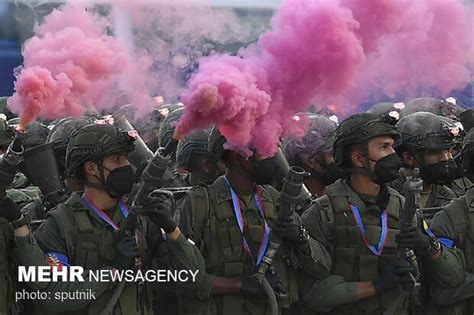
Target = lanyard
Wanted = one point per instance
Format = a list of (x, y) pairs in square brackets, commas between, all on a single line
[(383, 236), (104, 215), (240, 220)]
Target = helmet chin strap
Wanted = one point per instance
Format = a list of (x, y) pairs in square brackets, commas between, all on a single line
[(366, 168), (103, 183)]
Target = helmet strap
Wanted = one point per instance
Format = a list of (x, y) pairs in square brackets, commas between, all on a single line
[(366, 168), (102, 185)]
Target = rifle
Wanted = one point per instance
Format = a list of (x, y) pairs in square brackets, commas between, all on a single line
[(412, 190)]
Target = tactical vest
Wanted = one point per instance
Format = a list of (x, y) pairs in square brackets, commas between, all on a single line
[(7, 288), (220, 241), (351, 258), (92, 246)]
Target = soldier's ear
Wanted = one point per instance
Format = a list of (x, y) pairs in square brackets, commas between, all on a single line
[(357, 158), (312, 162), (91, 168), (409, 159)]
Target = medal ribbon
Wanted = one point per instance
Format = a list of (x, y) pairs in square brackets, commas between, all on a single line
[(383, 236), (104, 215), (240, 220)]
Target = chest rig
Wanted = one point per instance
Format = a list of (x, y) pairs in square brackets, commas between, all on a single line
[(351, 259), (220, 238), (92, 246)]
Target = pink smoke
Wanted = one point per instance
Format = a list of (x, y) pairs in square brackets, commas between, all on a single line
[(71, 66), (432, 49), (329, 52), (296, 73)]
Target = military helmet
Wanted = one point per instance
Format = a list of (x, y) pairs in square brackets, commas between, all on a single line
[(318, 138), (6, 133), (168, 125), (65, 127), (216, 143), (60, 135), (161, 112), (447, 107), (387, 108), (360, 128), (423, 130), (93, 142), (191, 145)]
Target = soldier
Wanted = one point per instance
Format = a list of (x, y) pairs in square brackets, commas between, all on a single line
[(193, 156), (165, 135), (18, 247), (460, 184), (314, 153), (356, 223), (230, 222), (454, 225), (426, 142), (81, 231)]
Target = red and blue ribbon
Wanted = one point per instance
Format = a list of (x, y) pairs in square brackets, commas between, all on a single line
[(383, 237), (241, 222), (104, 215)]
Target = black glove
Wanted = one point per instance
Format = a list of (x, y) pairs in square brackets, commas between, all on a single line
[(159, 206), (411, 237), (394, 273), (287, 229), (127, 250), (251, 287), (9, 210)]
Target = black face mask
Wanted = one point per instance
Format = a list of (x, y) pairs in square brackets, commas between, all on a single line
[(387, 169), (330, 175), (270, 170), (120, 181), (437, 173), (455, 168)]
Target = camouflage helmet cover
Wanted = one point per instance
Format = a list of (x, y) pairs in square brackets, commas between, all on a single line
[(94, 141), (318, 138), (360, 128), (423, 130), (193, 144)]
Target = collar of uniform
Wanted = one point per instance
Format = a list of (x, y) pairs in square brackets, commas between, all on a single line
[(93, 214), (223, 194), (342, 188)]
